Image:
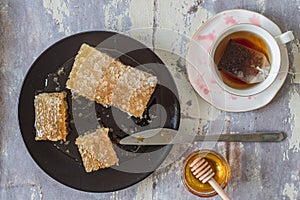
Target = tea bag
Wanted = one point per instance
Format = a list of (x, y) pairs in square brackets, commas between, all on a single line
[(243, 63)]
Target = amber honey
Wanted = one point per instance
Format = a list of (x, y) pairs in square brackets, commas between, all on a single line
[(219, 166), (247, 39)]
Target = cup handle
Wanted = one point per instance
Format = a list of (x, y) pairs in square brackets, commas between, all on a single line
[(285, 37)]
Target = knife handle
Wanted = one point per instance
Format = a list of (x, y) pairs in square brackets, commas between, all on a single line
[(244, 137)]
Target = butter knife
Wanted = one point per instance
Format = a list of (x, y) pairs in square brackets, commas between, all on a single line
[(164, 136)]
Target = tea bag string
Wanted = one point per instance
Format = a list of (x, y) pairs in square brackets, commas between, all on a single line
[(264, 73)]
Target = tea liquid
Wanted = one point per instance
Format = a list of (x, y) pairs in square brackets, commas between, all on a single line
[(247, 39)]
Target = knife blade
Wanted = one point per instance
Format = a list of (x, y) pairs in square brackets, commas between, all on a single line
[(164, 136)]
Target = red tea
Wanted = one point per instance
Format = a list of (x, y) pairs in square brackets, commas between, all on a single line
[(244, 38)]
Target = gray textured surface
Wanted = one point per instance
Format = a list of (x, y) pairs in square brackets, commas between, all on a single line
[(259, 171)]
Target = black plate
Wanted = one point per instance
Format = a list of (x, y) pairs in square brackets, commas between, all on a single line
[(62, 161)]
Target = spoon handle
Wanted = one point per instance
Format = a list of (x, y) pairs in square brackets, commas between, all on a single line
[(218, 189)]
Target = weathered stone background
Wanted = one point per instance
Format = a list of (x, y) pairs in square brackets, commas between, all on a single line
[(259, 171)]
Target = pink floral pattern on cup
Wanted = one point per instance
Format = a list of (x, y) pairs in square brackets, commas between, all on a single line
[(255, 20), (207, 40), (230, 20)]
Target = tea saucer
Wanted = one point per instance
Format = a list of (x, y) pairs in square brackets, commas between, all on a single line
[(198, 60)]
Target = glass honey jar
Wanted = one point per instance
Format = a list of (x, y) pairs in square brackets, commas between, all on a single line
[(219, 166)]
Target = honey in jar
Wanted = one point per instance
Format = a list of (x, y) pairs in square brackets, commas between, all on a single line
[(218, 164)]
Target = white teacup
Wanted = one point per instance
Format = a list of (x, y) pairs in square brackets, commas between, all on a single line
[(272, 44)]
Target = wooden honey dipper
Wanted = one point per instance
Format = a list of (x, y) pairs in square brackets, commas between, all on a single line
[(203, 171)]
